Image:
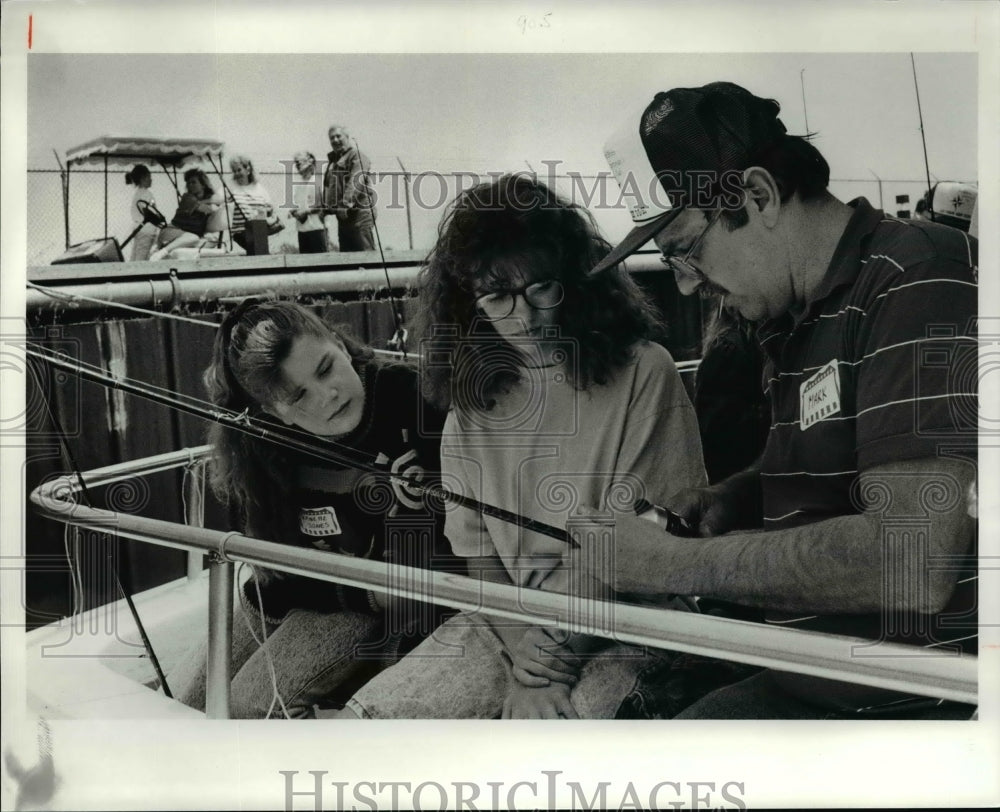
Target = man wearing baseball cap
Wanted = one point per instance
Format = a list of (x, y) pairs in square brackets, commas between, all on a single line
[(855, 519)]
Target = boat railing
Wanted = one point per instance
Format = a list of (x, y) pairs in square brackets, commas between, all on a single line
[(196, 281), (877, 664)]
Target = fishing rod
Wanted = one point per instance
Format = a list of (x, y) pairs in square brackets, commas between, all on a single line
[(923, 140), (805, 112), (85, 493), (399, 336), (73, 298), (321, 447)]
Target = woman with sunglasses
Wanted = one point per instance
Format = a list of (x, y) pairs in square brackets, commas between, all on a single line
[(281, 364), (558, 400)]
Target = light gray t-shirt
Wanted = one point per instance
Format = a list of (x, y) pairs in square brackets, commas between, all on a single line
[(547, 449)]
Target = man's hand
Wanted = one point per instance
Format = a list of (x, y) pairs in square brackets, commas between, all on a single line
[(341, 212), (549, 702), (539, 658), (633, 565), (843, 565), (733, 504)]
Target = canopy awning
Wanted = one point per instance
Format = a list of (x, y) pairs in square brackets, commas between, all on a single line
[(169, 151)]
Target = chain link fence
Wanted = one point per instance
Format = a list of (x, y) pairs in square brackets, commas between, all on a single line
[(90, 218), (409, 205)]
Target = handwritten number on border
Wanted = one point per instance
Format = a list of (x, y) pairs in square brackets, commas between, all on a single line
[(526, 23)]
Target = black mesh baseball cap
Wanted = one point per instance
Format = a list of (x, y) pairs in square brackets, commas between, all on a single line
[(679, 150)]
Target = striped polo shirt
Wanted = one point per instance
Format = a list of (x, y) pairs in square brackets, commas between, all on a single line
[(880, 366), (250, 202)]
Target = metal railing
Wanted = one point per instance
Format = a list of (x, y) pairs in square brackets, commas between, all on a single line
[(197, 281), (894, 667)]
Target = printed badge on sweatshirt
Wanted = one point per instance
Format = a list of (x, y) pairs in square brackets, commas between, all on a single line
[(318, 523), (819, 396)]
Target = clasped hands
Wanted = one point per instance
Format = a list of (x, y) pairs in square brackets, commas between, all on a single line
[(545, 671)]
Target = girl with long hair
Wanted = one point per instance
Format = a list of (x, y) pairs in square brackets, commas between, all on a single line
[(279, 362), (558, 399)]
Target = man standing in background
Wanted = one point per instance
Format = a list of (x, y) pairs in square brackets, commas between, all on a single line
[(348, 193)]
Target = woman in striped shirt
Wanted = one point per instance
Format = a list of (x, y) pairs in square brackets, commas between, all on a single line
[(250, 199)]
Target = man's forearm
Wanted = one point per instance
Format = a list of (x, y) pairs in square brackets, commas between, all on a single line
[(900, 554), (848, 564), (830, 566)]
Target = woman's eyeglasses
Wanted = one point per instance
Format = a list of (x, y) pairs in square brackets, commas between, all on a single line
[(543, 295), (682, 266)]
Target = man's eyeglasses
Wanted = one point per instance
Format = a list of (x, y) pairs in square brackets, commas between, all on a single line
[(681, 266), (543, 295)]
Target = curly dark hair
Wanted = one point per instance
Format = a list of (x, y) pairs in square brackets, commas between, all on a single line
[(250, 475), (514, 222), (202, 178)]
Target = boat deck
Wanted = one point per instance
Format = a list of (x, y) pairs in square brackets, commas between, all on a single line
[(109, 672)]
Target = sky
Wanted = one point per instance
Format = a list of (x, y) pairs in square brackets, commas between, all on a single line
[(490, 86), (476, 112), (469, 111)]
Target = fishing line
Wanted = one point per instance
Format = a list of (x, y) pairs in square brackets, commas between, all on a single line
[(199, 508), (66, 296), (74, 297), (321, 447), (85, 493), (71, 547), (247, 621), (290, 437), (400, 334), (267, 652)]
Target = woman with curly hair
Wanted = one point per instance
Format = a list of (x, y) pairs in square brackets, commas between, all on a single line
[(558, 399), (281, 363)]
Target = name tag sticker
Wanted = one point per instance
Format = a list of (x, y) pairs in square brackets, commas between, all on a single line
[(819, 397), (319, 522)]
